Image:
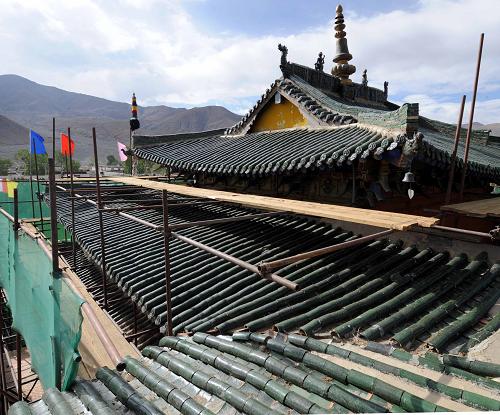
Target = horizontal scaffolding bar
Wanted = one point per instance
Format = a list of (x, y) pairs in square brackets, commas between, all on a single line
[(267, 267), (129, 337), (463, 231), (243, 264), (223, 220), (270, 276), (129, 208), (145, 207), (103, 189)]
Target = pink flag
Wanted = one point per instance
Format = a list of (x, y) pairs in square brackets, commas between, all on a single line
[(121, 148)]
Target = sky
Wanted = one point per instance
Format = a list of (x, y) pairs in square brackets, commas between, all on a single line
[(187, 53)]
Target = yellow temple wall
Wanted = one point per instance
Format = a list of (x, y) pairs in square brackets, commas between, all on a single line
[(278, 116)]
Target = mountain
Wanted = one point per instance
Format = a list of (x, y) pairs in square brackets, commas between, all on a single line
[(13, 137), (27, 104)]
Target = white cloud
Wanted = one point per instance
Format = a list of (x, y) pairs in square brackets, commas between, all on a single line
[(109, 48)]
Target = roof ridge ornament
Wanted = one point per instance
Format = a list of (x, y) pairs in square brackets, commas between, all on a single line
[(320, 62), (342, 69), (284, 54), (364, 78)]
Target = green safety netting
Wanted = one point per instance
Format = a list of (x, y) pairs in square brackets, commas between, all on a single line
[(46, 312), (28, 206)]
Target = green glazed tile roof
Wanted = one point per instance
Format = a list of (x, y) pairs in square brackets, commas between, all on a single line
[(365, 132), (255, 374), (380, 290)]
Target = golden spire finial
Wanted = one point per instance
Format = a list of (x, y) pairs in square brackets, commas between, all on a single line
[(342, 69)]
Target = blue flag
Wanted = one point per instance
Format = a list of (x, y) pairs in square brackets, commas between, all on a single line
[(37, 143)]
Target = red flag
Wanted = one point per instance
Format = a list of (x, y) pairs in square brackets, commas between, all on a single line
[(66, 143)]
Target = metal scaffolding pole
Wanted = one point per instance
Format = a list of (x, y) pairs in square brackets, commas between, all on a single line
[(272, 277), (38, 186), (18, 361), (53, 220), (56, 272), (3, 379), (73, 241), (243, 264), (16, 212), (266, 267), (101, 223), (454, 152), (166, 246), (471, 117), (224, 220)]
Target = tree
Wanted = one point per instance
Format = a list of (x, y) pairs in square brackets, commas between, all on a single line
[(112, 161), (4, 167), (143, 167), (63, 161), (23, 157)]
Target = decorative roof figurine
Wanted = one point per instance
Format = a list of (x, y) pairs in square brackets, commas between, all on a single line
[(342, 69), (320, 62), (284, 53), (364, 79)]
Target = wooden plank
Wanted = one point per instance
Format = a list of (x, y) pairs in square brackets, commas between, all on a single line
[(477, 208), (389, 220)]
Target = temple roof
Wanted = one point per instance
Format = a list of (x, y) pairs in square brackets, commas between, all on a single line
[(381, 289), (255, 374), (342, 121)]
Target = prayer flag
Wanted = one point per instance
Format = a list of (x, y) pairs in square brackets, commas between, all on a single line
[(10, 188), (67, 145), (121, 151), (37, 143)]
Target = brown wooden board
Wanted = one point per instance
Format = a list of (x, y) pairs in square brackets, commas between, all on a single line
[(389, 220), (478, 208)]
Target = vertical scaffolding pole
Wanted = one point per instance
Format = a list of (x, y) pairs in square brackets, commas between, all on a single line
[(31, 177), (135, 323), (101, 223), (353, 196), (18, 359), (454, 152), (471, 117), (166, 245), (56, 272), (130, 149), (72, 193), (38, 186), (53, 220), (53, 138), (2, 363), (18, 337), (16, 211)]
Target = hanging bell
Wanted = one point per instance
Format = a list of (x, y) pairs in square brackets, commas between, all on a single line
[(409, 177)]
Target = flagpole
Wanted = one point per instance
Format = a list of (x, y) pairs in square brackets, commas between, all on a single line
[(38, 186), (130, 148), (31, 181), (66, 162), (72, 193), (54, 139)]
